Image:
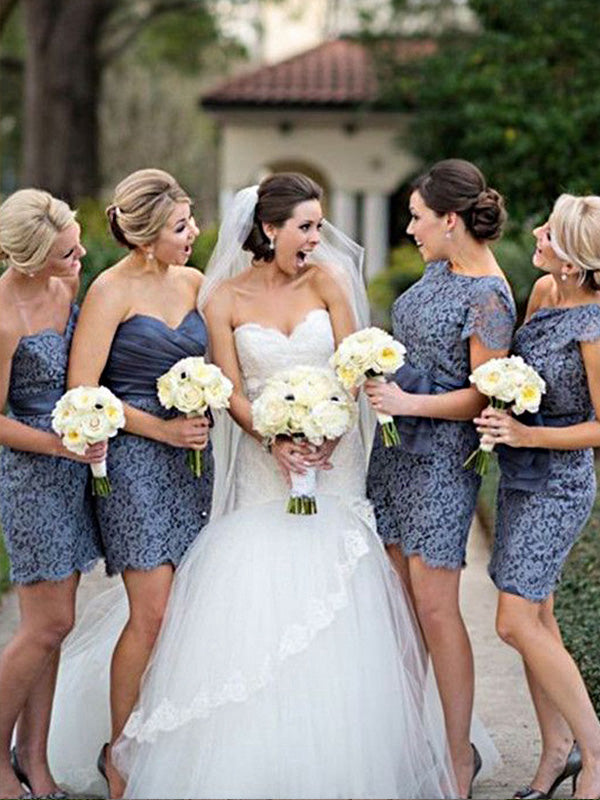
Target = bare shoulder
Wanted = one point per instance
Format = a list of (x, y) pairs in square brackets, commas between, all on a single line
[(220, 304), (330, 280), (193, 277), (543, 291)]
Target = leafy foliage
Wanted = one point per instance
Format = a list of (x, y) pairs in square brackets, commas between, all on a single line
[(519, 97)]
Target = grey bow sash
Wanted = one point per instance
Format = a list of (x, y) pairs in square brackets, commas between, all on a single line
[(528, 468), (416, 433)]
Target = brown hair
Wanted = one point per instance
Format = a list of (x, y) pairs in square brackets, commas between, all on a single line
[(457, 185), (278, 196), (142, 203)]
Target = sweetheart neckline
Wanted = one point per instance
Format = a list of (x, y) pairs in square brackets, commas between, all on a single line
[(278, 330), (159, 320)]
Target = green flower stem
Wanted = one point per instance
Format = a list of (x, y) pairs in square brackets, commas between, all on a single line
[(194, 462), (479, 460), (101, 487), (390, 434), (303, 506)]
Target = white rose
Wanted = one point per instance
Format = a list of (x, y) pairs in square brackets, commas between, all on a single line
[(82, 398), (95, 427), (189, 398)]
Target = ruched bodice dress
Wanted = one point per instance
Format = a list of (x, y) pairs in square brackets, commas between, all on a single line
[(156, 507), (46, 510), (536, 529), (425, 501)]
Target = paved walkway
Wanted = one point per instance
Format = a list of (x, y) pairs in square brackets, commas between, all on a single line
[(502, 701)]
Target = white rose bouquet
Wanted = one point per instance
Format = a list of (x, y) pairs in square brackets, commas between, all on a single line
[(84, 416), (370, 353), (508, 382), (192, 386), (303, 403)]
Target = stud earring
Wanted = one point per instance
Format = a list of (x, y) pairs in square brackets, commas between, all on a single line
[(448, 234), (563, 276), (150, 256)]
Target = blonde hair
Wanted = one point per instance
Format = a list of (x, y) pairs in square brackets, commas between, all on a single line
[(142, 204), (575, 228), (30, 221)]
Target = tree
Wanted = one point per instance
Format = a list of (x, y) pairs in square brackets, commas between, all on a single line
[(68, 45), (519, 97)]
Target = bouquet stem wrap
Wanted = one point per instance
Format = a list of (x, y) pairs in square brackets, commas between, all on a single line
[(479, 459), (302, 495), (100, 483), (389, 432)]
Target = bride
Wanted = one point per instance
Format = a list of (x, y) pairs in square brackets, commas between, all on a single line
[(289, 664)]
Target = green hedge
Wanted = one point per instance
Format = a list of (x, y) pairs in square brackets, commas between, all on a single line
[(577, 600)]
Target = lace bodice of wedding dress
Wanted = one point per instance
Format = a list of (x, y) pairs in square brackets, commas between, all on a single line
[(262, 352)]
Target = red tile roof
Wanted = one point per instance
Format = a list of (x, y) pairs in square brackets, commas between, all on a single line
[(339, 73)]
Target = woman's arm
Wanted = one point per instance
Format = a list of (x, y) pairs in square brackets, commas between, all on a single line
[(503, 428)]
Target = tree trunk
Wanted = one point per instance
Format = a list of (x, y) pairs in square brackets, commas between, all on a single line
[(62, 86)]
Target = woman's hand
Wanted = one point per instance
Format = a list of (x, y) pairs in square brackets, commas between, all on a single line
[(499, 427), (291, 456), (318, 457), (94, 454), (389, 398), (188, 432)]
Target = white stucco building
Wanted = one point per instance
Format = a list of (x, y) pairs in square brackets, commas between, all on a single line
[(313, 112)]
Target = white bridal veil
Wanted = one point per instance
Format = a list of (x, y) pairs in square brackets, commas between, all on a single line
[(336, 253)]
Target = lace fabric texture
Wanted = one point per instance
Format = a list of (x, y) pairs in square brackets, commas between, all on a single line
[(536, 530), (45, 503), (426, 502)]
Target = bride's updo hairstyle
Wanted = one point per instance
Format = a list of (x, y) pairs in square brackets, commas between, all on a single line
[(459, 186), (30, 221), (575, 227), (142, 204), (278, 196)]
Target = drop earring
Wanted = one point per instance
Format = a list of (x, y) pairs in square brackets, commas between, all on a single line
[(448, 234), (271, 244), (563, 276)]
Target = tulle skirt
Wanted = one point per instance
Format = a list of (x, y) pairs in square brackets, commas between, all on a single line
[(289, 665)]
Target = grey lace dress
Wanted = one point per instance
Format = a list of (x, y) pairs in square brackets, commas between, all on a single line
[(536, 529), (425, 501), (157, 507), (48, 521)]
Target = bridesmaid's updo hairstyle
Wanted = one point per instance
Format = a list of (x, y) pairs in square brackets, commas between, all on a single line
[(575, 235), (278, 196), (459, 186), (142, 204), (30, 221)]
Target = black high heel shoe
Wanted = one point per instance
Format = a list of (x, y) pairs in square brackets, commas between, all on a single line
[(24, 780), (571, 770), (477, 762)]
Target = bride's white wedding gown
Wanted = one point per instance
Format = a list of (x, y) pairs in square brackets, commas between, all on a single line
[(289, 663)]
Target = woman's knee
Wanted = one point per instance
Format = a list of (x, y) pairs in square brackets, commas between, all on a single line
[(513, 623), (147, 619), (50, 631)]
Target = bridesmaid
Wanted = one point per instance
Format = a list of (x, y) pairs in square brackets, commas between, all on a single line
[(546, 495), (459, 314), (47, 517), (138, 319)]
